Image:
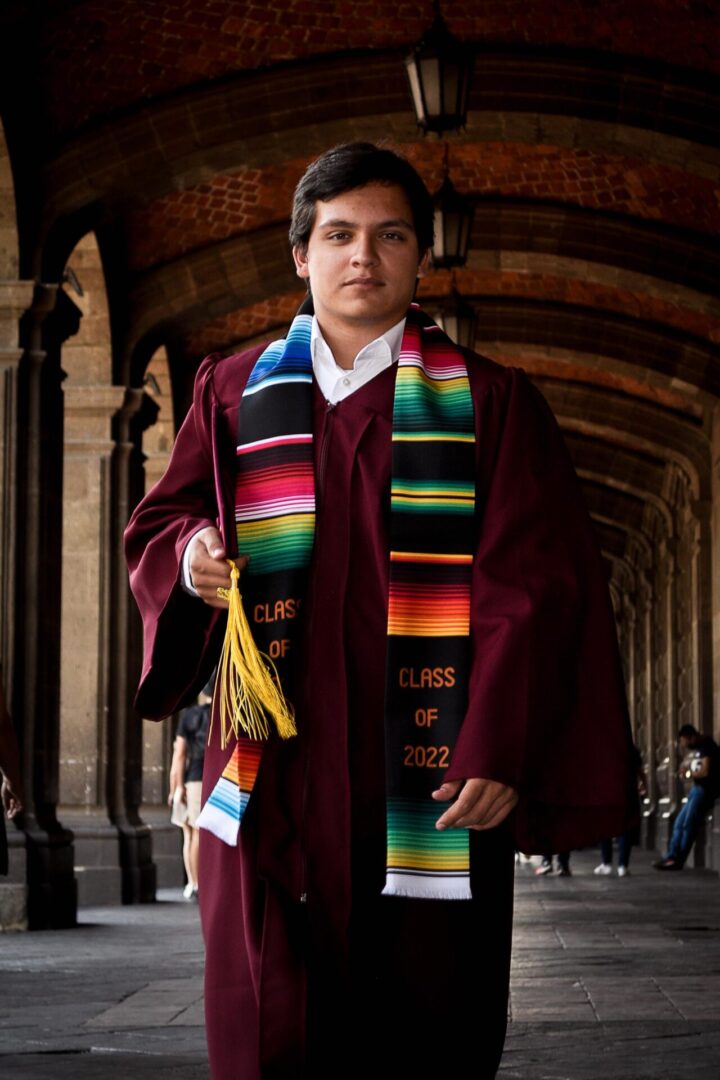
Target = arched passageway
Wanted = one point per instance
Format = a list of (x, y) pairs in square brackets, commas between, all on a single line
[(592, 158)]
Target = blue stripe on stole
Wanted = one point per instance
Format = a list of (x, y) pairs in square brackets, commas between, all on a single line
[(228, 798), (289, 355)]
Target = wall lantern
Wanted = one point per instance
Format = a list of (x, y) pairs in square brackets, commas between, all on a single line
[(458, 320), (439, 70), (453, 223)]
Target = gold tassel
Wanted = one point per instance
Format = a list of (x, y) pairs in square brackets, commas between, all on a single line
[(248, 679)]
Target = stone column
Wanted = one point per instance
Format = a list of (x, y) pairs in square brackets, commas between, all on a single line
[(124, 777), (645, 706), (665, 691), (51, 884), (15, 299), (85, 657)]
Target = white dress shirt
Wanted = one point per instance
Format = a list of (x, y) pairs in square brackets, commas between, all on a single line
[(336, 384)]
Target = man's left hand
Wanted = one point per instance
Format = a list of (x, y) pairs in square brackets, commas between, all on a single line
[(481, 804)]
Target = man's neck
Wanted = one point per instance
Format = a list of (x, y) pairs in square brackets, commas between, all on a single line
[(345, 342)]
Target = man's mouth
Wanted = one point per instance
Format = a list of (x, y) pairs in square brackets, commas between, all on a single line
[(365, 282)]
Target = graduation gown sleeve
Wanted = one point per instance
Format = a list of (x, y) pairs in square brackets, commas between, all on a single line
[(178, 628), (547, 712)]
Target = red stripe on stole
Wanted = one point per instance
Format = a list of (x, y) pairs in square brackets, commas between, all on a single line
[(244, 763)]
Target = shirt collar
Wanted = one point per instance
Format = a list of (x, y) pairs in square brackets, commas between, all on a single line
[(386, 346)]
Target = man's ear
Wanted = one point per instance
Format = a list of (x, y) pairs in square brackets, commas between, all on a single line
[(301, 262), (424, 264)]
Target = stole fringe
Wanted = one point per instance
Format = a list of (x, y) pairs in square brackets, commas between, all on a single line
[(248, 680), (419, 886)]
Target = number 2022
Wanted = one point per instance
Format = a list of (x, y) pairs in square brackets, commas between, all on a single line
[(426, 757)]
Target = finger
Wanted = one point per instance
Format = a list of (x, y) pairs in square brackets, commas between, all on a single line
[(212, 541), (479, 800), (213, 572), (466, 800), (484, 816), (448, 790), (497, 817), (209, 575), (483, 805)]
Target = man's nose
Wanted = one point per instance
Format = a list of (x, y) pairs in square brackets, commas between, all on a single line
[(365, 253)]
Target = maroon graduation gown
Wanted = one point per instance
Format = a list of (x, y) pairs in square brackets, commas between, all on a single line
[(546, 714)]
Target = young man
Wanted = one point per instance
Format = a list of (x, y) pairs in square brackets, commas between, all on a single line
[(704, 771), (417, 561)]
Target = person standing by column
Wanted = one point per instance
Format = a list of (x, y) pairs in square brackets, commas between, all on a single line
[(186, 782), (704, 771), (11, 790)]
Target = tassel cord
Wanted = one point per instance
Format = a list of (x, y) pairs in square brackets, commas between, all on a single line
[(249, 684)]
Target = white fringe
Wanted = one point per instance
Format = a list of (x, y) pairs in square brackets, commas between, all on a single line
[(428, 888)]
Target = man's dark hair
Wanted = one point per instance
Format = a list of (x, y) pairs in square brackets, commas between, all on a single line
[(350, 166), (687, 731)]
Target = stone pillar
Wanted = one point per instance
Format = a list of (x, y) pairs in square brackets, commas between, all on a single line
[(665, 691), (645, 706), (15, 299), (85, 656), (157, 738), (51, 884), (124, 777)]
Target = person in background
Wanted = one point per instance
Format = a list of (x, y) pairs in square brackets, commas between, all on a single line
[(186, 781), (704, 771), (11, 791), (627, 839), (563, 865)]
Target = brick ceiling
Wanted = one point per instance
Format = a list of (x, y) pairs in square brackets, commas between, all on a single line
[(178, 130)]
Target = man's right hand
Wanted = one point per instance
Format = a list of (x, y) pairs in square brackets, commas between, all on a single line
[(208, 566)]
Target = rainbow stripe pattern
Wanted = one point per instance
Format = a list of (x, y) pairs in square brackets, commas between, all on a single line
[(419, 849), (223, 810), (274, 522), (275, 485), (432, 537)]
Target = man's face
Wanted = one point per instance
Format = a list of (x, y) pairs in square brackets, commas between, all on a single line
[(362, 259)]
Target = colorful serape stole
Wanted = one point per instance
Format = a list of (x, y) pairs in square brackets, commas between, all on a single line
[(275, 526), (432, 536), (225, 806), (432, 532)]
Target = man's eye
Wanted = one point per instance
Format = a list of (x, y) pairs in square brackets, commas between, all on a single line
[(393, 236), (338, 236)]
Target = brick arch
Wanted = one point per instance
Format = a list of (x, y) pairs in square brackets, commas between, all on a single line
[(612, 504), (257, 118), (248, 198), (629, 299), (624, 467), (635, 345), (632, 426), (103, 58)]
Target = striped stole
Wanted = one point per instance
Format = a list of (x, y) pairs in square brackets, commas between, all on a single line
[(432, 518), (432, 533)]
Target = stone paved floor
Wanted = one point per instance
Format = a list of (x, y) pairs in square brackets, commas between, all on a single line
[(612, 980), (615, 978)]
